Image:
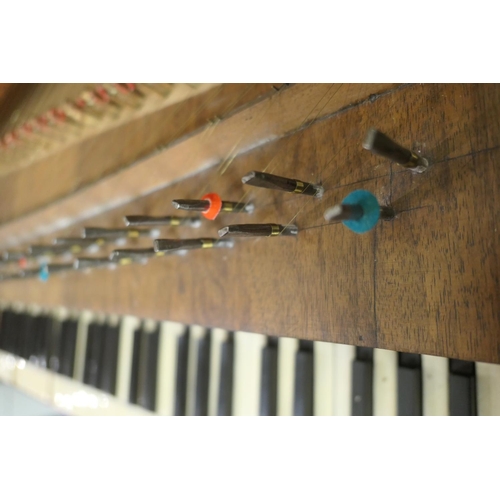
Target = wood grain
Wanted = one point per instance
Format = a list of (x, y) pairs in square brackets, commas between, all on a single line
[(427, 282)]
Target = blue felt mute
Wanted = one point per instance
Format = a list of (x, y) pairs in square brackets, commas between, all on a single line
[(43, 275), (359, 211)]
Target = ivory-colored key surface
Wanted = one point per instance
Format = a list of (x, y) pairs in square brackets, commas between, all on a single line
[(81, 344), (287, 350), (247, 373), (343, 357), (488, 389), (323, 378), (167, 367), (435, 386), (125, 353), (385, 383)]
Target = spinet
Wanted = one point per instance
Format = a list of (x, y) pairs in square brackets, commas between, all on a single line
[(423, 285)]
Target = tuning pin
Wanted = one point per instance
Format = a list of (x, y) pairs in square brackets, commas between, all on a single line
[(254, 230), (125, 256), (359, 211), (379, 144), (169, 220), (270, 181), (87, 263), (173, 246), (79, 244), (51, 250), (211, 205), (12, 256), (116, 234)]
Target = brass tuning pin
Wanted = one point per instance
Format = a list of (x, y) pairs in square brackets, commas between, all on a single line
[(168, 220), (79, 244), (254, 230), (270, 181), (87, 263), (174, 246), (381, 145), (359, 211), (125, 256), (119, 233), (211, 205)]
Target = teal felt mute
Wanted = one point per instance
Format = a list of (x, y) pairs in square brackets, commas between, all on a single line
[(43, 275), (359, 211)]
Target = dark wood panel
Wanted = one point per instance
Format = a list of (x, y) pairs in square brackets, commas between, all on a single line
[(425, 282)]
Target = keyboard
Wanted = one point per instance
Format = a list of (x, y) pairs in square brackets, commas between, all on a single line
[(90, 364)]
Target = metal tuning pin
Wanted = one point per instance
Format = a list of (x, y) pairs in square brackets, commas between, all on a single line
[(77, 245), (381, 145), (211, 205), (87, 263), (125, 256), (116, 234), (270, 181), (174, 246), (253, 230), (359, 211), (51, 250), (168, 220), (59, 268), (12, 256)]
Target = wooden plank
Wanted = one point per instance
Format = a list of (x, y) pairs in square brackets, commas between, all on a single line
[(426, 282)]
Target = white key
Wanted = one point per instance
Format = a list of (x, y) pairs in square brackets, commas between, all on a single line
[(167, 367), (323, 378), (385, 383), (287, 351), (247, 373), (488, 389), (125, 353), (342, 382), (81, 345), (196, 333), (219, 336), (435, 386)]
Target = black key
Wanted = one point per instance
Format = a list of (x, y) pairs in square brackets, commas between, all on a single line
[(269, 379), (15, 333), (2, 328), (69, 329), (462, 379), (148, 364), (134, 372), (109, 359), (8, 319), (202, 376), (95, 338), (362, 382), (55, 345), (42, 327), (26, 336), (181, 374), (304, 380), (409, 385), (225, 399)]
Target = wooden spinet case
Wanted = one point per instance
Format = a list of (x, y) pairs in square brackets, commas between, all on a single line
[(426, 282)]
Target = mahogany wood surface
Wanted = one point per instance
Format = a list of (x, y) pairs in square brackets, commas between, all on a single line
[(426, 282)]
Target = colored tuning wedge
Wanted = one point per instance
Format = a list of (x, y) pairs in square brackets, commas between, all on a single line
[(169, 220), (270, 181), (169, 246), (381, 145), (254, 230), (211, 205), (359, 211)]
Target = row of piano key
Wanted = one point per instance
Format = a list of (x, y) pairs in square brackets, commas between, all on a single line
[(170, 369)]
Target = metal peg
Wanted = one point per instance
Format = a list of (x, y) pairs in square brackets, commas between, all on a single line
[(253, 230), (118, 233), (169, 246), (211, 205), (270, 181), (381, 145), (168, 220), (128, 255), (87, 263)]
